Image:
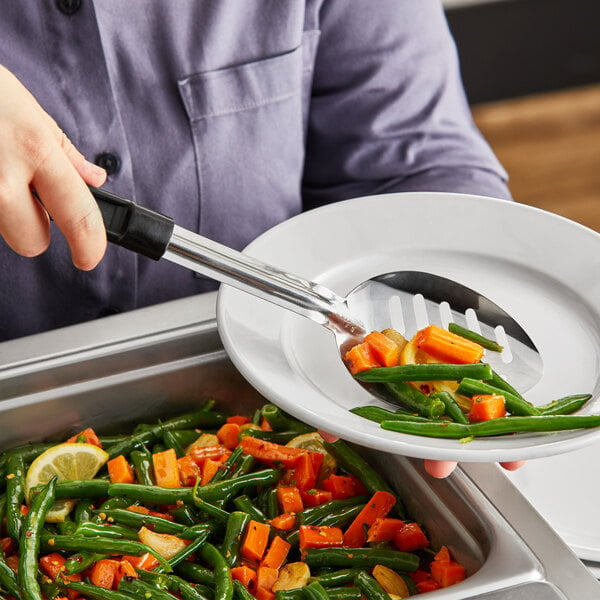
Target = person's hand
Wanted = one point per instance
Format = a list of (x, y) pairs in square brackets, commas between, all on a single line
[(35, 155)]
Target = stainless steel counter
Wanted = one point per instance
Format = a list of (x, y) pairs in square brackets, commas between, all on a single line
[(164, 359)]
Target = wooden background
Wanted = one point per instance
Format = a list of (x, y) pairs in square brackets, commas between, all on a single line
[(550, 146)]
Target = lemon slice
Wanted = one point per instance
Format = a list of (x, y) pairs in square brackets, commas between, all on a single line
[(68, 462)]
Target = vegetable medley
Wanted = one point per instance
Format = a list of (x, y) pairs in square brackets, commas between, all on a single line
[(445, 389), (208, 506)]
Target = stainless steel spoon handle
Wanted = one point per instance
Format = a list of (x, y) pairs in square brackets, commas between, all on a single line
[(243, 272), (156, 236)]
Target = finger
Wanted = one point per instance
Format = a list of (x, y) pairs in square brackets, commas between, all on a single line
[(89, 172), (69, 202), (439, 468), (512, 465), (24, 224), (328, 437)]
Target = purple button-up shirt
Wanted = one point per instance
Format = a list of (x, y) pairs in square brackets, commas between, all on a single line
[(231, 116)]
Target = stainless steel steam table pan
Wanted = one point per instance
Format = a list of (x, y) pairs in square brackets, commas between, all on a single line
[(164, 359)]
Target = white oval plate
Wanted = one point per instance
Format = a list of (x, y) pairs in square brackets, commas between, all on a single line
[(542, 269)]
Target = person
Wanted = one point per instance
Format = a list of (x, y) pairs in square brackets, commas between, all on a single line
[(228, 116)]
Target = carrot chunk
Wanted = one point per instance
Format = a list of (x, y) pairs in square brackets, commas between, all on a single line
[(104, 573), (228, 435), (410, 537), (270, 452), (360, 358), (166, 470), (448, 347), (384, 529), (284, 521), (289, 499), (378, 506), (189, 471), (255, 541), (276, 554), (487, 406), (88, 436), (320, 536), (384, 349), (119, 470), (245, 575)]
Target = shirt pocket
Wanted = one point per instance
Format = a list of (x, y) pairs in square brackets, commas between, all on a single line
[(248, 128)]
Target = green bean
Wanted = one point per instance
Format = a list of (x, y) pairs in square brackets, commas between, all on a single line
[(96, 592), (315, 591), (566, 405), (236, 525), (499, 382), (185, 514), (90, 529), (361, 557), (474, 337), (515, 405), (84, 511), (75, 543), (500, 426), (137, 520), (425, 372), (8, 578), (281, 421), (271, 503), (67, 526), (186, 437), (344, 593), (243, 466), (142, 589), (171, 441), (29, 542), (208, 492), (352, 462), (315, 514), (223, 581), (212, 510), (370, 587), (15, 494), (453, 410), (83, 488), (111, 440), (77, 563), (228, 465), (336, 578), (277, 437), (196, 543), (195, 573), (142, 466), (240, 592), (202, 418), (413, 399), (244, 504), (378, 414), (342, 517), (173, 583), (118, 502)]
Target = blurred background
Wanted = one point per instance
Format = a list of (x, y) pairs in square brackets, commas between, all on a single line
[(531, 69)]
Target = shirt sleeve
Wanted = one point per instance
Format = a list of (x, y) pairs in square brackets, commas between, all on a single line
[(388, 111)]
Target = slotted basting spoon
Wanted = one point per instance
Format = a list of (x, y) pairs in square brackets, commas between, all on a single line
[(406, 300)]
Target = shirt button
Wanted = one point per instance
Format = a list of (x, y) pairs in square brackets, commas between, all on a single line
[(68, 7), (109, 161)]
